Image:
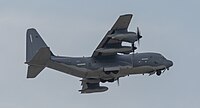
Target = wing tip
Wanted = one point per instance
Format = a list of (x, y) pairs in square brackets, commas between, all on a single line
[(129, 14)]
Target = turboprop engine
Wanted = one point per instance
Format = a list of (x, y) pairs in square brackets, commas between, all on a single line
[(130, 37)]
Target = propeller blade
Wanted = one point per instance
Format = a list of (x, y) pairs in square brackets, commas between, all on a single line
[(138, 31), (139, 42), (138, 35)]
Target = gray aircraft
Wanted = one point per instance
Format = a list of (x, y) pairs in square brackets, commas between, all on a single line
[(110, 60)]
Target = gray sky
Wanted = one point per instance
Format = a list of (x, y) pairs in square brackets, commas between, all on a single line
[(169, 27)]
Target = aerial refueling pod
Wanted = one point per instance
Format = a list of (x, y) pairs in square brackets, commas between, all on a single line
[(93, 90)]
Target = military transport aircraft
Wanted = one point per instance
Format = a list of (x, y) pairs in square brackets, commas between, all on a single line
[(110, 60)]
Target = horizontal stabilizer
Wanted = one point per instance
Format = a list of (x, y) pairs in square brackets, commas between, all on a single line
[(33, 71), (38, 62), (41, 57)]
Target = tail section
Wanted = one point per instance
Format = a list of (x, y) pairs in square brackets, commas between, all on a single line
[(37, 53)]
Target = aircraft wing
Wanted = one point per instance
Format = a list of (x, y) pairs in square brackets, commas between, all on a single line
[(120, 26), (91, 85)]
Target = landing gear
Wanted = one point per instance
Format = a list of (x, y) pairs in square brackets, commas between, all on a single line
[(102, 80), (158, 72), (107, 72), (115, 72), (110, 80)]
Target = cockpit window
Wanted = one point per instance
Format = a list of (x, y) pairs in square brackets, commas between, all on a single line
[(163, 57)]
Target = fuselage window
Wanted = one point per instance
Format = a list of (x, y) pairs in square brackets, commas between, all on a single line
[(145, 59)]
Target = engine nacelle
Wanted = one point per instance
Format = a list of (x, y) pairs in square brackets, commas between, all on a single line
[(130, 37)]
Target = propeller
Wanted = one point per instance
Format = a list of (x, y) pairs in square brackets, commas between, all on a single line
[(138, 35), (133, 50)]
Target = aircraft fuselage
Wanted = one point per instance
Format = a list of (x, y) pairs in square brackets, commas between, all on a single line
[(110, 68)]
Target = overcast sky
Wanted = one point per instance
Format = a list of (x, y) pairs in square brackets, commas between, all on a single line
[(75, 28)]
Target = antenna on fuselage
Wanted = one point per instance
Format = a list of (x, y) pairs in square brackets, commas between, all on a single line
[(118, 81)]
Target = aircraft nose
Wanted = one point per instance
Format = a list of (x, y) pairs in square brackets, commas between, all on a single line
[(169, 63)]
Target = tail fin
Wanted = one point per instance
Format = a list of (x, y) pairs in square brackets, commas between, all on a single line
[(37, 53), (33, 43)]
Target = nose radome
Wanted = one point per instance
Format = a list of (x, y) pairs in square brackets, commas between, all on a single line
[(170, 63)]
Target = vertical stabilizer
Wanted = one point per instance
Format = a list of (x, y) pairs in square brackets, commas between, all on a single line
[(33, 43)]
